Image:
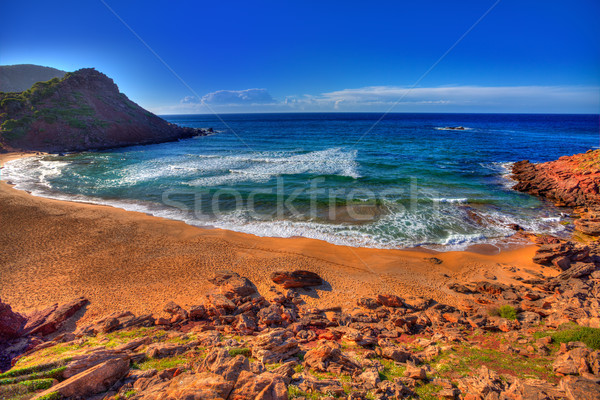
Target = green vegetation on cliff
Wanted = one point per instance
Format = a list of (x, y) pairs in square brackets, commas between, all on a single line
[(80, 111)]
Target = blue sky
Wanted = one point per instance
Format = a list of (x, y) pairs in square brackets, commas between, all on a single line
[(240, 56)]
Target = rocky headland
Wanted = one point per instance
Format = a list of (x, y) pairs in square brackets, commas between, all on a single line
[(570, 181), (83, 110)]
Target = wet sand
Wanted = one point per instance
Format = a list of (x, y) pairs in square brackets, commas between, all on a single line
[(52, 251)]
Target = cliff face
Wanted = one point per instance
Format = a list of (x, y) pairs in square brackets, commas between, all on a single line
[(569, 181), (82, 111)]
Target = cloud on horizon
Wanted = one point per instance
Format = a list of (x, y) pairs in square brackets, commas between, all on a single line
[(526, 99), (232, 97)]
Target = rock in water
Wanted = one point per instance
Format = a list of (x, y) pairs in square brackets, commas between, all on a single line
[(296, 279)]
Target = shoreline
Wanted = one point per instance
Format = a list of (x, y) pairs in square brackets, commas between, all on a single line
[(82, 249)]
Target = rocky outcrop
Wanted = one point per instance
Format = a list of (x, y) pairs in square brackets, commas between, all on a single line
[(241, 345), (94, 380), (569, 182), (296, 279), (83, 110), (11, 323), (20, 334)]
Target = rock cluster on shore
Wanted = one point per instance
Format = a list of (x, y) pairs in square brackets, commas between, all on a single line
[(570, 181), (503, 343)]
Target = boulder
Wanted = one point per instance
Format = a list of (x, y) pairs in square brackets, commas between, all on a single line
[(200, 386), (220, 362), (296, 279), (328, 357), (266, 386), (97, 379), (390, 300), (275, 346), (571, 362), (414, 372), (50, 320), (589, 226), (580, 389), (83, 362), (232, 285)]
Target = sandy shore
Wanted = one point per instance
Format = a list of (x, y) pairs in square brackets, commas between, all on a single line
[(52, 251)]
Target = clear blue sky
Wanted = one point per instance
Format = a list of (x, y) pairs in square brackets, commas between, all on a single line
[(239, 56)]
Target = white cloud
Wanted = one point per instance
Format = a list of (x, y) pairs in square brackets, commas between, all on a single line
[(233, 97), (525, 99)]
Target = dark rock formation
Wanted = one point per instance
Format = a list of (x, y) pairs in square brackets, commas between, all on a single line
[(82, 111), (296, 279)]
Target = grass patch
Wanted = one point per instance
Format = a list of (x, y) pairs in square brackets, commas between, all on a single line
[(576, 333), (163, 363), (391, 370), (428, 391), (21, 388), (51, 396), (49, 367), (55, 373), (505, 311), (468, 359), (246, 352)]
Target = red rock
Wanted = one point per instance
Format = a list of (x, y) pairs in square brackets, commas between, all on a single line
[(94, 380), (266, 386), (328, 357), (50, 320), (390, 300), (562, 263), (580, 389), (589, 226), (572, 181), (232, 285), (296, 279), (11, 323)]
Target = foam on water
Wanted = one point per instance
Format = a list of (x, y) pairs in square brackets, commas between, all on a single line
[(234, 169), (462, 181)]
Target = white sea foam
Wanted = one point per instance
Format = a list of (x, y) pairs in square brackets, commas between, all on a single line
[(395, 228), (442, 200), (504, 169), (234, 169)]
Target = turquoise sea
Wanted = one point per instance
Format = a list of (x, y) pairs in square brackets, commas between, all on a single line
[(352, 179)]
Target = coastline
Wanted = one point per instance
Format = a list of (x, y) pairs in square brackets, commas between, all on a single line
[(126, 260)]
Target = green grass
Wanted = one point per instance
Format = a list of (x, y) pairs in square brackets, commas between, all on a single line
[(469, 358), (428, 391), (243, 351), (51, 396), (55, 373), (391, 370), (575, 333), (163, 363), (21, 388), (33, 369), (504, 311)]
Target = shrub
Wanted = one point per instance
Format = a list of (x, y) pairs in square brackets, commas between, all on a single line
[(504, 311), (508, 312), (575, 333)]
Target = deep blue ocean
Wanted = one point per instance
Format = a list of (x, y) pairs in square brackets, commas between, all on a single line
[(345, 178)]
